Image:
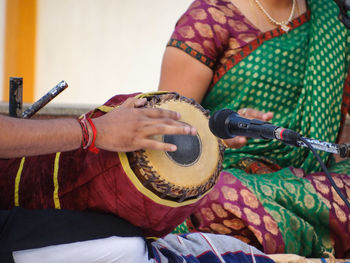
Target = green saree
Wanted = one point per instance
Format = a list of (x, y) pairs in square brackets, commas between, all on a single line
[(298, 78), (270, 194)]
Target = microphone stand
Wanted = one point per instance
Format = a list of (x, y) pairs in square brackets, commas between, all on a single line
[(343, 150)]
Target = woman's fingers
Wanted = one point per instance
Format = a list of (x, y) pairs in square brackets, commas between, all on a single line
[(250, 113), (236, 142)]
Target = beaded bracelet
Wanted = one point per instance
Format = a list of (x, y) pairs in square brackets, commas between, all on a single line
[(85, 132), (87, 142)]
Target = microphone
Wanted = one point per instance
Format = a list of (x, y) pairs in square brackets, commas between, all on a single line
[(227, 124)]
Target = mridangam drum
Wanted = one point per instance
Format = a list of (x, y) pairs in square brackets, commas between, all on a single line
[(194, 168), (154, 190)]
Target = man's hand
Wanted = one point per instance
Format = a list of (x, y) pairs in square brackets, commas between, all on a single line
[(129, 128), (240, 141)]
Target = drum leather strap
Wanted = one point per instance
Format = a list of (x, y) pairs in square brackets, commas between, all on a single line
[(155, 198)]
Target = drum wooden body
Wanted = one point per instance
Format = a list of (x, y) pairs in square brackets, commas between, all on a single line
[(154, 190)]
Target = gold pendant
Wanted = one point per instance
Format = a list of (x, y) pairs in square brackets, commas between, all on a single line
[(285, 27)]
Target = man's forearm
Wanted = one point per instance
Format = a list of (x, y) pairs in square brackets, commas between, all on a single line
[(20, 137)]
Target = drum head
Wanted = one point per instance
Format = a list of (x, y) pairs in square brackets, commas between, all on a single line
[(193, 169)]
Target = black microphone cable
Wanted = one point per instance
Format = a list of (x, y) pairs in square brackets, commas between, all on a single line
[(325, 170)]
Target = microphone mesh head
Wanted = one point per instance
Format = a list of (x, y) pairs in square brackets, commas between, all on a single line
[(217, 123)]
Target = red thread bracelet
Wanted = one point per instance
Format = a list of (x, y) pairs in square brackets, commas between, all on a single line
[(92, 147)]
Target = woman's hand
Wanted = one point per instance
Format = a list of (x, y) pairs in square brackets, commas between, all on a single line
[(129, 128), (240, 141)]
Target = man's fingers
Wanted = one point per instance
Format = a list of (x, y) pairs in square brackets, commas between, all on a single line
[(157, 145), (169, 129), (133, 102), (161, 113), (140, 102), (150, 112)]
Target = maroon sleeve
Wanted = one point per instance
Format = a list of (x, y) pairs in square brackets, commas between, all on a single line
[(202, 31)]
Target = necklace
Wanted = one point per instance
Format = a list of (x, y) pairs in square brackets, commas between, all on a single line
[(283, 24)]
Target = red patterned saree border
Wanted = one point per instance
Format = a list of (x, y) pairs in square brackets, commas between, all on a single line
[(253, 45), (194, 53)]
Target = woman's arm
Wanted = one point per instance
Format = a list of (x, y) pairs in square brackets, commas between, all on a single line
[(191, 78), (184, 74)]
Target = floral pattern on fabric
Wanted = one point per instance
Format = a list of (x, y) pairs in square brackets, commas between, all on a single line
[(215, 29), (301, 77)]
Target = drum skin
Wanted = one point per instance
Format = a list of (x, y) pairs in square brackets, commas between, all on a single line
[(86, 181)]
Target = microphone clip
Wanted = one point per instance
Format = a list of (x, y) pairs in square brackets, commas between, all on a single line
[(344, 7), (344, 150)]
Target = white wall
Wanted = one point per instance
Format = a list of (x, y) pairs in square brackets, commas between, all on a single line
[(2, 42), (102, 47)]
